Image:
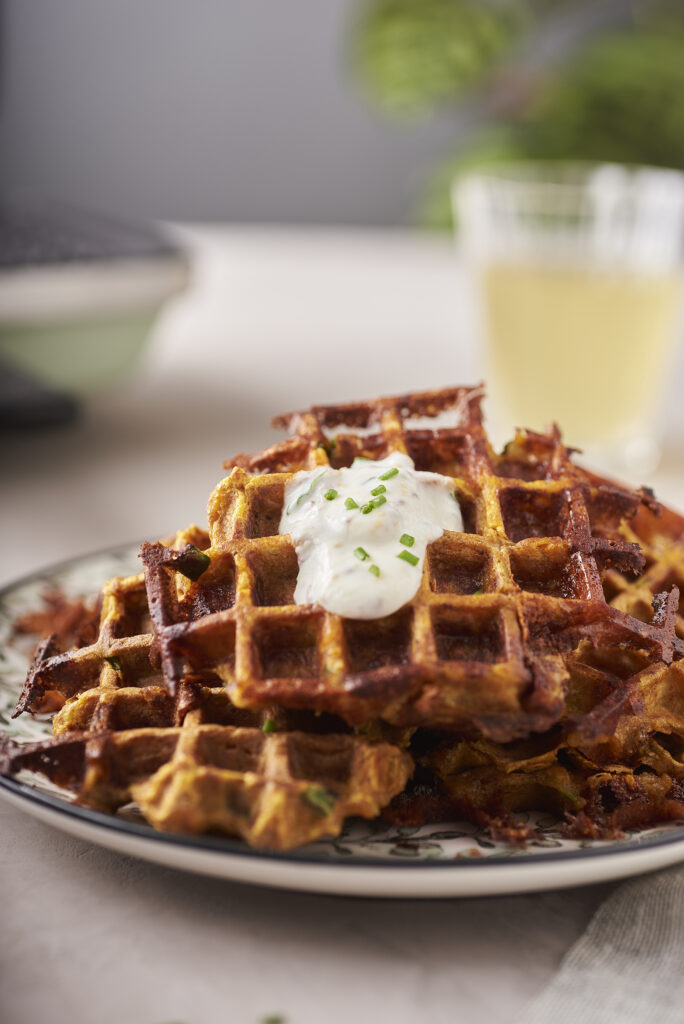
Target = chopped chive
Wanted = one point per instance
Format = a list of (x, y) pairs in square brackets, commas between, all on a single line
[(191, 562), (367, 508), (374, 569), (380, 500), (321, 799), (330, 495), (478, 591), (407, 540), (380, 489), (268, 726), (571, 797), (306, 493), (350, 503), (361, 554), (389, 474), (114, 662), (408, 557)]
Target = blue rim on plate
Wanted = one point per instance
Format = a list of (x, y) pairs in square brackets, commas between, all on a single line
[(413, 848)]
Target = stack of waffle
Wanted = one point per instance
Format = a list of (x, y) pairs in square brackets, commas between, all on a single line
[(539, 665)]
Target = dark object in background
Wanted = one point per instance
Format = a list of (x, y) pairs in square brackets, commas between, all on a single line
[(54, 234), (26, 403), (78, 295)]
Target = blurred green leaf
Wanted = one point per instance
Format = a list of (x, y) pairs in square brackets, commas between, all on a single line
[(620, 100), (414, 53), (617, 101)]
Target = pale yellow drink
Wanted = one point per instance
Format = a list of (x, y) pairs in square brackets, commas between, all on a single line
[(585, 348)]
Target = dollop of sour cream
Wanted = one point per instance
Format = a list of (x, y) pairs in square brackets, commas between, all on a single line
[(361, 532)]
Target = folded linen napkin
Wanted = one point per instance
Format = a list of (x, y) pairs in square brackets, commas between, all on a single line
[(628, 967)]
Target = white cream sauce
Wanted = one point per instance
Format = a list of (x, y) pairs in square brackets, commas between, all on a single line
[(350, 560), (452, 417), (350, 428)]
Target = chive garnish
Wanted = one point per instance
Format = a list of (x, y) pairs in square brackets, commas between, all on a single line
[(350, 503), (374, 569), (361, 554), (478, 592), (321, 799), (571, 797), (114, 662), (380, 500), (407, 540), (380, 489), (306, 493), (191, 562), (330, 495), (268, 726), (367, 508), (406, 556), (388, 474)]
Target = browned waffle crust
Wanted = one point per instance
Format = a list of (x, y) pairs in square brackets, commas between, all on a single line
[(191, 760), (615, 759), (481, 645), (526, 686), (278, 790)]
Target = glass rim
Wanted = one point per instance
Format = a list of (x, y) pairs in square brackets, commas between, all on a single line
[(563, 173), (543, 183)]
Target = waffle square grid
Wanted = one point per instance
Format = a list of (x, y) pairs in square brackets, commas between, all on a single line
[(479, 647)]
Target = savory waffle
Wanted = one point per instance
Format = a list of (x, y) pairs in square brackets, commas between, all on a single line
[(273, 789), (537, 665), (661, 539), (120, 653), (482, 645), (614, 760), (191, 760)]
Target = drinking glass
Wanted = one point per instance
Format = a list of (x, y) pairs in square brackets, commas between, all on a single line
[(577, 269)]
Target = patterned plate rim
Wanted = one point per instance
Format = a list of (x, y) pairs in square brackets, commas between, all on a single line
[(237, 847)]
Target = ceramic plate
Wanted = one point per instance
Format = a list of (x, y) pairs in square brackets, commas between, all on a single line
[(450, 859)]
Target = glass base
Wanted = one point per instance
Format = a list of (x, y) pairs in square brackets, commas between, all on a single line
[(630, 458), (633, 460)]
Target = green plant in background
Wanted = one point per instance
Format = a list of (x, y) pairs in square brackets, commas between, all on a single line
[(616, 94), (415, 53)]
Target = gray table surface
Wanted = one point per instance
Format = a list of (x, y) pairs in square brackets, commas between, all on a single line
[(273, 320)]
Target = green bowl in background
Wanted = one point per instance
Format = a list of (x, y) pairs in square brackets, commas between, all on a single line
[(80, 327), (78, 295)]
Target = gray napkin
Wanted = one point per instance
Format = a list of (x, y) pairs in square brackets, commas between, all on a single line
[(628, 967)]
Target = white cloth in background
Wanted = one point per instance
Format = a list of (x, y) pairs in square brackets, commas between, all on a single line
[(628, 967)]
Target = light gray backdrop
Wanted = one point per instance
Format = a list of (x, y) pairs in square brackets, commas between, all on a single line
[(240, 110)]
